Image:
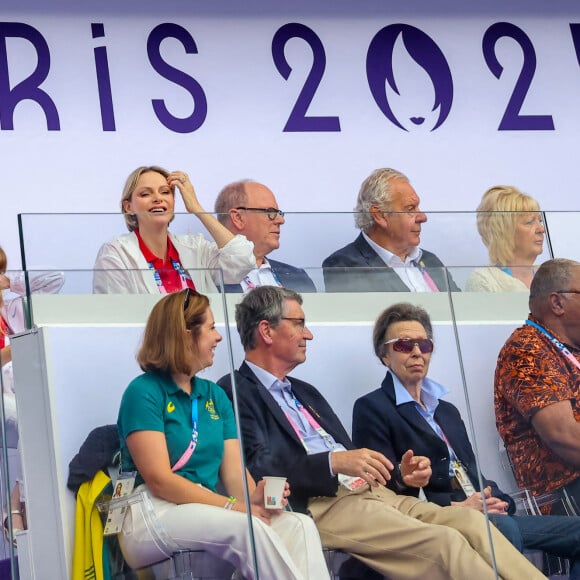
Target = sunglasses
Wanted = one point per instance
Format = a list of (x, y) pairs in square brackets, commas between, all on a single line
[(188, 294), (408, 344)]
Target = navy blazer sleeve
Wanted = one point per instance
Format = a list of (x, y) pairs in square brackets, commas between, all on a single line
[(272, 448)]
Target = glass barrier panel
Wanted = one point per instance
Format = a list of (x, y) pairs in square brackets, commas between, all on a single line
[(514, 371), (334, 353), (83, 353), (562, 233), (463, 314), (302, 239)]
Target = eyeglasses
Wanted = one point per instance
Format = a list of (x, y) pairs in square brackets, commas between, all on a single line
[(567, 291), (301, 322), (408, 344), (271, 212)]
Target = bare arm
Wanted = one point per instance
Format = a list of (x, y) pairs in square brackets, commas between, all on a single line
[(231, 470), (559, 430), (218, 232), (231, 476), (149, 452), (6, 354)]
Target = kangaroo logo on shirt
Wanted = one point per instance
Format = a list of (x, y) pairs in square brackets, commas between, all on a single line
[(170, 407), (210, 408)]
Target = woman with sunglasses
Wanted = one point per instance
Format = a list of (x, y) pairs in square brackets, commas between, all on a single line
[(406, 415), (150, 259), (178, 433)]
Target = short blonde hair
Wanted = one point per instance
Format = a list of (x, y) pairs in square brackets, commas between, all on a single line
[(165, 348), (497, 216), (130, 184)]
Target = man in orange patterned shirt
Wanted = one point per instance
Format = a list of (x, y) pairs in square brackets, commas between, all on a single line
[(537, 384)]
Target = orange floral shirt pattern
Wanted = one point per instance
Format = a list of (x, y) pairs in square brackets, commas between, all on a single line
[(531, 374)]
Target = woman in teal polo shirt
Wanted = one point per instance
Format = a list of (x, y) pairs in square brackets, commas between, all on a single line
[(178, 432)]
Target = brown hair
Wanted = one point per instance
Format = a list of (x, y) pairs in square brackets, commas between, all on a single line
[(165, 346), (401, 312), (130, 184)]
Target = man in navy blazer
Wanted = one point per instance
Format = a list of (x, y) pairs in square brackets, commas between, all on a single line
[(386, 256), (290, 430), (250, 208)]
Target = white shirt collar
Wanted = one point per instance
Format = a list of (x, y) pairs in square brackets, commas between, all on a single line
[(391, 259), (266, 378), (431, 392)]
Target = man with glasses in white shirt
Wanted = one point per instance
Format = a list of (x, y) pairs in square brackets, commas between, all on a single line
[(250, 209)]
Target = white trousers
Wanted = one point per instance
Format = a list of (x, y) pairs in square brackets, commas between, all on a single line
[(289, 548)]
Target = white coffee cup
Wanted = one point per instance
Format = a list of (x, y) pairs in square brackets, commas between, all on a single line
[(274, 492)]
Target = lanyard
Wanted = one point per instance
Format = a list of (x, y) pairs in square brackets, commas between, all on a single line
[(313, 423), (251, 285), (176, 266), (561, 347), (428, 280), (439, 432), (193, 443), (4, 331)]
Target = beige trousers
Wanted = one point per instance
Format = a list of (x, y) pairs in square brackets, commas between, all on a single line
[(403, 537)]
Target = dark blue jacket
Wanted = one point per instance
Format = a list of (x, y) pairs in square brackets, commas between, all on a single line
[(379, 424), (271, 446), (358, 268)]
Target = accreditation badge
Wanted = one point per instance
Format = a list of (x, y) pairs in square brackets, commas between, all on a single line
[(461, 479), (119, 502)]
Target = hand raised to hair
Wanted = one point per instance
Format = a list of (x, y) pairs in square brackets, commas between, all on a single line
[(181, 181)]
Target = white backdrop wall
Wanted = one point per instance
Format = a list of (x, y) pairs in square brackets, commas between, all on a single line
[(221, 54)]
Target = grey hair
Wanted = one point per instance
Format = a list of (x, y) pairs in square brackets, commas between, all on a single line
[(400, 312), (551, 276), (231, 196), (375, 190), (262, 303)]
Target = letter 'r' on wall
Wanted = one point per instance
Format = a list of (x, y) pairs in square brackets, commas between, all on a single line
[(29, 88)]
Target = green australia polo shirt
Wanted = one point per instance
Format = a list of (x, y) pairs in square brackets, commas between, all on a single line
[(153, 402)]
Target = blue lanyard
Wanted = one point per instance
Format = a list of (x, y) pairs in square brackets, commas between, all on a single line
[(561, 347), (176, 266)]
